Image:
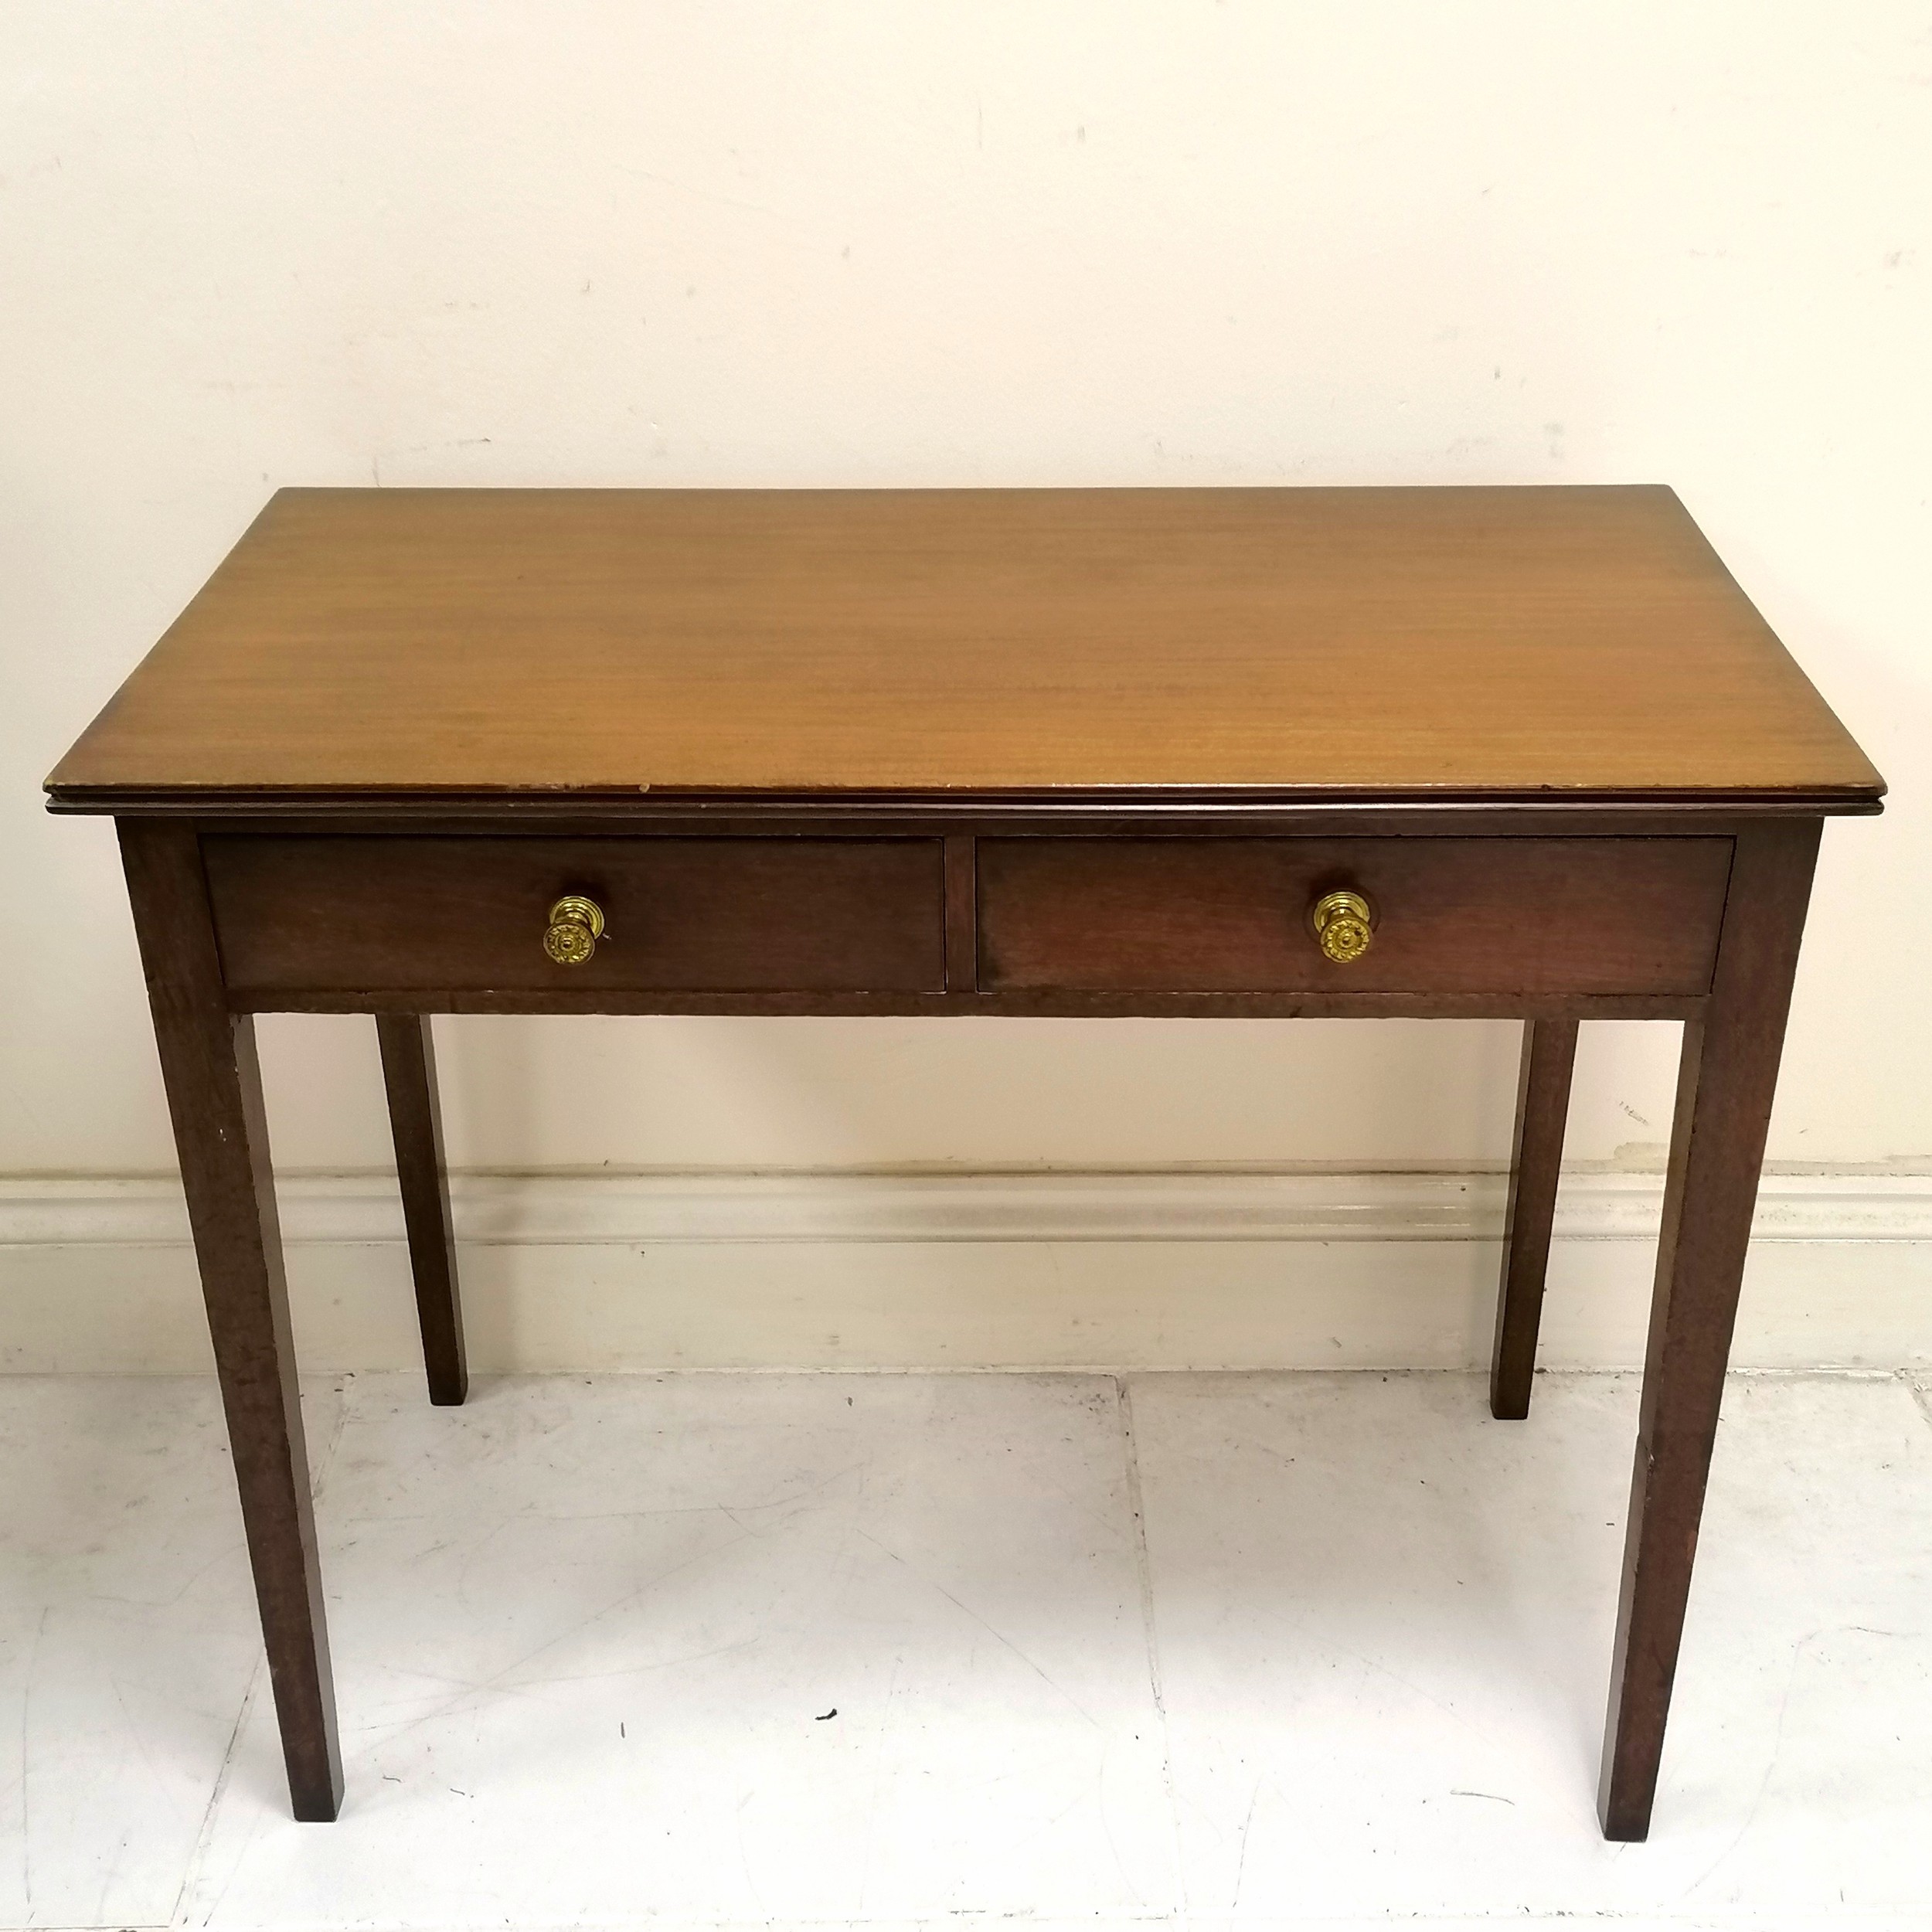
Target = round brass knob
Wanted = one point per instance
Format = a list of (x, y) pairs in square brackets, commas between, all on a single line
[(576, 924), (1344, 925)]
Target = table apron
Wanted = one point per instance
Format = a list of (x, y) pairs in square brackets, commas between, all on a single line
[(1589, 926), (1030, 1005)]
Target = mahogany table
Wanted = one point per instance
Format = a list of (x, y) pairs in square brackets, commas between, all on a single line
[(1508, 753)]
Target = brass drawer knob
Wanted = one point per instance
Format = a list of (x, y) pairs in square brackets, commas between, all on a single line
[(1344, 925), (576, 924)]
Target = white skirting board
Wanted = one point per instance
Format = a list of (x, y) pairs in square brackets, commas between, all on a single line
[(1174, 1269)]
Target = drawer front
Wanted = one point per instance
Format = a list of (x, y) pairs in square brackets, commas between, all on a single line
[(1180, 915), (700, 915)]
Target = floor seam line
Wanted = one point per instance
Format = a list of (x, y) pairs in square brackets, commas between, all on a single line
[(1143, 1568), (1921, 1396), (318, 1478), (206, 1837)]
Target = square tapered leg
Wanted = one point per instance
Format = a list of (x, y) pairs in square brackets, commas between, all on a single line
[(1543, 1106), (408, 1073), (214, 1093), (1724, 1092)]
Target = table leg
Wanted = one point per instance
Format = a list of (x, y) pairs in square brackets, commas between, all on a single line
[(1542, 1107), (409, 1072), (1724, 1089), (214, 1093)]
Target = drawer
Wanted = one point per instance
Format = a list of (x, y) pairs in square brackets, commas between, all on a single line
[(699, 915), (1183, 915)]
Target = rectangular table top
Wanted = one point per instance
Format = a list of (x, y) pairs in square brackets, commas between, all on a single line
[(1505, 645)]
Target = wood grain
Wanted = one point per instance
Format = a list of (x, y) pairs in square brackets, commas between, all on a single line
[(1543, 1112), (1628, 916), (416, 1122), (962, 915), (730, 915), (1524, 644), (214, 1089), (1726, 1082), (1048, 1002)]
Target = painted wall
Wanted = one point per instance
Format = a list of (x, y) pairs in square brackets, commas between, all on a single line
[(247, 245)]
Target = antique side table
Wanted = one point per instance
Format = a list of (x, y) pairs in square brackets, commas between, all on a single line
[(1511, 752)]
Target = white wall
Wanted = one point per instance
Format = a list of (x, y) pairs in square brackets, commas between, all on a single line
[(247, 245)]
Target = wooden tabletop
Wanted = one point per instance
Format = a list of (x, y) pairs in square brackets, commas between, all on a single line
[(1497, 644)]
